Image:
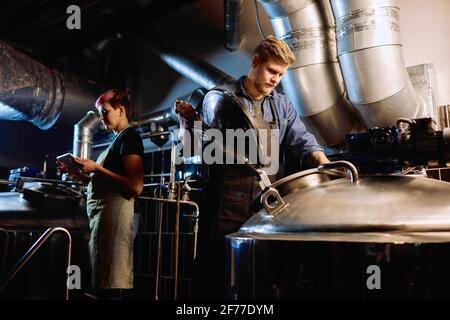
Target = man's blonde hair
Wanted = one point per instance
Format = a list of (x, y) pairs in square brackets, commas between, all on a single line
[(276, 48)]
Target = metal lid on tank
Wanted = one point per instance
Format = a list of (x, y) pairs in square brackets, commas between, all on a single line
[(386, 203)]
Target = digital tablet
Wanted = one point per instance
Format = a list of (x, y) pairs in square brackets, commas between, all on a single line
[(69, 160)]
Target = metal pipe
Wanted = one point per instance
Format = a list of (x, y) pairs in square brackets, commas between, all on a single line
[(199, 71), (195, 217), (159, 248), (444, 116), (157, 184), (156, 175), (164, 117), (173, 151), (5, 250), (371, 59), (233, 23), (189, 203), (155, 134), (314, 83), (54, 181), (3, 181), (33, 92), (33, 249), (143, 136), (177, 242), (83, 135)]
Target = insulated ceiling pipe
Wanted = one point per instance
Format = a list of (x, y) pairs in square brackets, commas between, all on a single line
[(371, 59), (199, 71), (164, 118), (314, 83), (33, 92), (233, 23)]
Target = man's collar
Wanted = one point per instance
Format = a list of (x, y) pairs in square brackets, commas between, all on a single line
[(240, 90)]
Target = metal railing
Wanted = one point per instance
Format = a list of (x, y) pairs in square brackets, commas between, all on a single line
[(33, 249), (195, 218), (6, 249)]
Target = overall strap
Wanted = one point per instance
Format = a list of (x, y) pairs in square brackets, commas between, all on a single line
[(274, 111)]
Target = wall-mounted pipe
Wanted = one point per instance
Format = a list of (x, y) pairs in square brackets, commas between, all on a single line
[(33, 92), (233, 10), (314, 83), (371, 59), (83, 135)]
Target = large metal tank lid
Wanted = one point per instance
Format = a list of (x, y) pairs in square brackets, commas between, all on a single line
[(382, 203)]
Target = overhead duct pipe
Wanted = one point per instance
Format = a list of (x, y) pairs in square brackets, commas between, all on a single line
[(164, 117), (314, 83), (233, 23), (199, 71), (371, 59), (33, 92)]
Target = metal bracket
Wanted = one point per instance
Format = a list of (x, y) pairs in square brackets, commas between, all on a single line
[(272, 201)]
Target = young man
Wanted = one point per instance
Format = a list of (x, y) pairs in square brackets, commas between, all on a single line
[(231, 193)]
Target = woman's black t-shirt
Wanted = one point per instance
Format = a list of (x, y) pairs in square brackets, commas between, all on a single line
[(128, 142)]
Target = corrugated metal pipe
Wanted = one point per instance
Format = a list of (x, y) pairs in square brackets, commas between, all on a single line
[(233, 23), (33, 92), (371, 59), (314, 83), (199, 71), (83, 135), (164, 118)]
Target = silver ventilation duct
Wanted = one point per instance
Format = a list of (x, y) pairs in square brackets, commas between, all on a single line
[(233, 23), (28, 90), (371, 59), (83, 135), (32, 92), (314, 83), (164, 118), (199, 71)]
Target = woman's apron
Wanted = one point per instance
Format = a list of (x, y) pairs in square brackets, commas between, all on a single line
[(111, 224)]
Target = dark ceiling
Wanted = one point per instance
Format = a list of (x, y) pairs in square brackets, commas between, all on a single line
[(39, 27)]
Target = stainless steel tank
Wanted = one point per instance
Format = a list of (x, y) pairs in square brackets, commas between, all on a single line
[(41, 206), (382, 236), (23, 219)]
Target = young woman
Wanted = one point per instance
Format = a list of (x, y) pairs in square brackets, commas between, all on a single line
[(115, 179)]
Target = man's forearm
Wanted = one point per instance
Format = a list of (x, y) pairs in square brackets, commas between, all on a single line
[(318, 157)]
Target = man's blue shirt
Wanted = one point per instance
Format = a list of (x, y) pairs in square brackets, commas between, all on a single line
[(293, 133)]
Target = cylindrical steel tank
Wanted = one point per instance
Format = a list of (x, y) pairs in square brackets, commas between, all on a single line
[(385, 236), (22, 222)]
